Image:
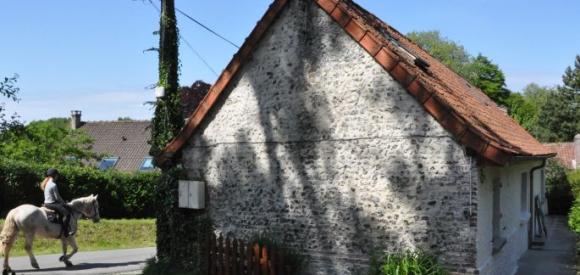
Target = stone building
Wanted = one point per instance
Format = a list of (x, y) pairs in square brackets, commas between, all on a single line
[(333, 132)]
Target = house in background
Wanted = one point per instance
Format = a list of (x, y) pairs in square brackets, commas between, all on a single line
[(336, 134), (124, 143), (568, 152)]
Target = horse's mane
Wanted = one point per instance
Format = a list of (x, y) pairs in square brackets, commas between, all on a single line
[(80, 202)]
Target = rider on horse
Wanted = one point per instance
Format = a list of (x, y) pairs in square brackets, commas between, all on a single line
[(53, 200)]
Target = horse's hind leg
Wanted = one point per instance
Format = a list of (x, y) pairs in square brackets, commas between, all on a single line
[(6, 246), (28, 247)]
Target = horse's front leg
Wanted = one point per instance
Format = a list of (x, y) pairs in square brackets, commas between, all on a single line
[(73, 243), (64, 247), (28, 247), (65, 258)]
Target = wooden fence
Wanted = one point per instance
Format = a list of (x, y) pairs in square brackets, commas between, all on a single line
[(230, 256)]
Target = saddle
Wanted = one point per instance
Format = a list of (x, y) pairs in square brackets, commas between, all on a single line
[(53, 216)]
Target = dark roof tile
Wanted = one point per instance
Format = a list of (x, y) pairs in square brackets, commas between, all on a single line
[(127, 140)]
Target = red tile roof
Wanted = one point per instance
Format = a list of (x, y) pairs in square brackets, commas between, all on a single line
[(565, 153), (465, 111)]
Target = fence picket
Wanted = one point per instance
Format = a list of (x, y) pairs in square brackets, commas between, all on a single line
[(231, 256)]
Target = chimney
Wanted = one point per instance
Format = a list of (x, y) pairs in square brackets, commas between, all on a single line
[(577, 150), (75, 119)]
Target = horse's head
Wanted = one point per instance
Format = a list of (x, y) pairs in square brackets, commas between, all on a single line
[(88, 206), (93, 209)]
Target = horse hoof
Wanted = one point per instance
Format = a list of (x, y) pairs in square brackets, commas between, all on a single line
[(68, 264), (5, 272), (61, 259), (35, 265)]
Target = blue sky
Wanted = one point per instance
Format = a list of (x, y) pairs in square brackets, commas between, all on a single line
[(88, 55)]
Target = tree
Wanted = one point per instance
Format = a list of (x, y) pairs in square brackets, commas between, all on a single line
[(534, 96), (10, 92), (479, 70), (448, 52), (167, 119), (48, 142), (571, 77), (560, 115), (487, 76), (522, 110)]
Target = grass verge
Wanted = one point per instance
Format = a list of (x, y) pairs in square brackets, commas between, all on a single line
[(105, 235)]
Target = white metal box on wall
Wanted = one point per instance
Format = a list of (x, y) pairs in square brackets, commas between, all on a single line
[(191, 194)]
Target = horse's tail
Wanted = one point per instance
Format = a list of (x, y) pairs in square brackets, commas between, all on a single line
[(9, 231)]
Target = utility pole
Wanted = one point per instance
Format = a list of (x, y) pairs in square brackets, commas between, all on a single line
[(167, 119)]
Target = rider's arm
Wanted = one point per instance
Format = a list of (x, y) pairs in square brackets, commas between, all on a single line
[(56, 195)]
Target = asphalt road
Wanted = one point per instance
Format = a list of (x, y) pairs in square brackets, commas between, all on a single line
[(126, 261)]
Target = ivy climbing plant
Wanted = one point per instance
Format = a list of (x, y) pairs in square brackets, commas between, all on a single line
[(167, 119), (181, 233)]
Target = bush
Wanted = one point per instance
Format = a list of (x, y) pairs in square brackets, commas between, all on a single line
[(559, 191), (406, 263), (155, 266), (121, 195), (574, 216)]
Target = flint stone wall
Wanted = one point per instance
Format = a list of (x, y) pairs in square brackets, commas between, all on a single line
[(319, 148)]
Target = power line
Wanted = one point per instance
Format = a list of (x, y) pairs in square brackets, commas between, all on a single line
[(189, 45), (197, 22), (198, 55), (207, 28)]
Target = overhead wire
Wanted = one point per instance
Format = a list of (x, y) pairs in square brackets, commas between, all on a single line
[(189, 44), (207, 28)]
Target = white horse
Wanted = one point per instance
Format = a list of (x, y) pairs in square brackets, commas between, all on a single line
[(33, 220)]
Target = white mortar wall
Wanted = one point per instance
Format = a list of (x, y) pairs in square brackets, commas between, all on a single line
[(513, 223), (319, 147)]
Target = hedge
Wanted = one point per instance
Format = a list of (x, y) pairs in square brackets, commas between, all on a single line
[(121, 195), (560, 195), (574, 216)]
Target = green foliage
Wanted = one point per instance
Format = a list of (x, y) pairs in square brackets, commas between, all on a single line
[(571, 77), (181, 233), (487, 76), (450, 53), (559, 190), (167, 119), (49, 141), (559, 116), (527, 114), (107, 234), (524, 111), (574, 216), (155, 266), (121, 195), (406, 263), (9, 90), (479, 70)]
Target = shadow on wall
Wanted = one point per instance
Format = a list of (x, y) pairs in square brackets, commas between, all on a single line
[(325, 188)]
